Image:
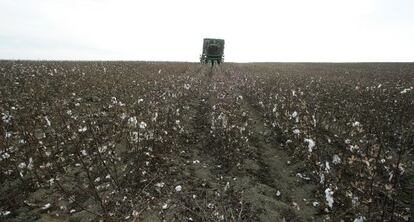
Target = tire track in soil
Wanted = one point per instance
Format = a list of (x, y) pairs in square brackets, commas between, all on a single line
[(207, 183), (210, 178), (252, 178), (255, 178), (187, 168), (258, 180), (276, 173), (195, 169)]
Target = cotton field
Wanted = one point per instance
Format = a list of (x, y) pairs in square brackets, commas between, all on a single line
[(154, 141)]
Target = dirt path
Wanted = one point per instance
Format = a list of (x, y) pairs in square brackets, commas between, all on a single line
[(196, 170), (271, 184), (277, 173)]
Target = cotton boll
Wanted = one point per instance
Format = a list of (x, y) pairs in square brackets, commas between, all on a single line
[(356, 124), (329, 197), (132, 121), (5, 213), (406, 90), (82, 129), (336, 160), (311, 144), (142, 125), (46, 206), (359, 219)]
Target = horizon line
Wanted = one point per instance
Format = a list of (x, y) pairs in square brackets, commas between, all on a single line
[(176, 61)]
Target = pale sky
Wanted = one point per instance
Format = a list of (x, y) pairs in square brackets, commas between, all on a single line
[(166, 30)]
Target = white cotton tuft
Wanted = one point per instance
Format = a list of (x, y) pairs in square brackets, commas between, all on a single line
[(311, 144), (132, 121), (82, 129), (406, 90), (160, 184), (336, 160), (46, 206), (5, 213), (154, 118), (329, 197), (327, 167), (142, 125), (48, 121), (356, 124), (359, 219)]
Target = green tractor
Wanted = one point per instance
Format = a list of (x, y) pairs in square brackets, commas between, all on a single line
[(213, 51)]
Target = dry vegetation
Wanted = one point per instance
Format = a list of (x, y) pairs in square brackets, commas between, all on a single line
[(124, 141)]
